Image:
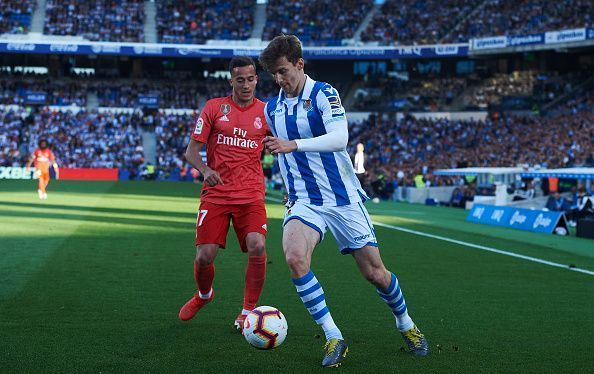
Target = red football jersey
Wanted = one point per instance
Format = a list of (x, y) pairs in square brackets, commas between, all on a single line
[(43, 158), (233, 137)]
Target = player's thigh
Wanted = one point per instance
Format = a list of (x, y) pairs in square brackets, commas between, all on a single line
[(351, 226), (212, 224), (249, 223)]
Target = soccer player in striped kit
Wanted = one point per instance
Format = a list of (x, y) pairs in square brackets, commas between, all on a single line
[(310, 132)]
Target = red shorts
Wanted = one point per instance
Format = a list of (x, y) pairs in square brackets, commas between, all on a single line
[(212, 222)]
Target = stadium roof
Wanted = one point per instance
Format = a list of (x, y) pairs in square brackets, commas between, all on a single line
[(477, 171), (567, 173)]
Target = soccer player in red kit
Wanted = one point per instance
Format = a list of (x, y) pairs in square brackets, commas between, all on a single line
[(42, 158), (232, 128)]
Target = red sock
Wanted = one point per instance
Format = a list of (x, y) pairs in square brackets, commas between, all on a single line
[(255, 275), (204, 275)]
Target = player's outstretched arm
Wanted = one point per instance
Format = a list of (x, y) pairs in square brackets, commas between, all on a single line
[(334, 141), (31, 159), (56, 170), (211, 177)]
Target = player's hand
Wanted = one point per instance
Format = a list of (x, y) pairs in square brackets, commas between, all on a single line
[(276, 145), (211, 177), (57, 173)]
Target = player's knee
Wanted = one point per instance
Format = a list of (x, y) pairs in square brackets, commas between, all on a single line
[(297, 264), (205, 257), (256, 248)]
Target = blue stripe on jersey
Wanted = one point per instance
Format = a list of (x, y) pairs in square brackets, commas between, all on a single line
[(316, 124), (270, 108), (313, 190), (290, 179)]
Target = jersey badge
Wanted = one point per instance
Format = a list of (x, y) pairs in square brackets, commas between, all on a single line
[(258, 123), (225, 109), (307, 105)]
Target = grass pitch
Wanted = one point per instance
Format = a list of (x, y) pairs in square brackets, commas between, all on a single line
[(92, 279)]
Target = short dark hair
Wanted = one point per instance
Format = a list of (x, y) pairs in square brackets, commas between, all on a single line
[(241, 61), (288, 46)]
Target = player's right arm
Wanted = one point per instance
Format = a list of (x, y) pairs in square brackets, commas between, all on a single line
[(211, 177), (31, 159), (197, 140)]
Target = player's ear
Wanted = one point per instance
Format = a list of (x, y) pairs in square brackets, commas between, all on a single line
[(300, 64)]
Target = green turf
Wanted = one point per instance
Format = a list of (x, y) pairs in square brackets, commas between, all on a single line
[(92, 279)]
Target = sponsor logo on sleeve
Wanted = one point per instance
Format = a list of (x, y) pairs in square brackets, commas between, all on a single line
[(199, 125)]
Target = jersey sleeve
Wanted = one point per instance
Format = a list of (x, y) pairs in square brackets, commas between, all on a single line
[(52, 157), (268, 120), (203, 123), (330, 105)]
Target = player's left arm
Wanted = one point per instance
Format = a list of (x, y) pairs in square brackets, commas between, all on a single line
[(335, 123)]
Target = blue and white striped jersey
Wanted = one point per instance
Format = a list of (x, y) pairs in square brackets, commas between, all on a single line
[(317, 178)]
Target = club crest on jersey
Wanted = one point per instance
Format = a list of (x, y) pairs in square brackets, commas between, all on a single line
[(258, 123), (307, 105), (225, 109)]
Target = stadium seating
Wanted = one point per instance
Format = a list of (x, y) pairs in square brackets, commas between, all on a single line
[(14, 89), (415, 22), (15, 16), (114, 21), (425, 94), (318, 22), (409, 144), (195, 22), (511, 17)]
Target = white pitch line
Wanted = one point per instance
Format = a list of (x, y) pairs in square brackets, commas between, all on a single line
[(477, 246), (484, 248)]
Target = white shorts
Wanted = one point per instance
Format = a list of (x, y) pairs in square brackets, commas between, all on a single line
[(350, 224)]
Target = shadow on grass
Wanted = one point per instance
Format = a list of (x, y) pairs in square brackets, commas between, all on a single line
[(84, 208), (163, 224)]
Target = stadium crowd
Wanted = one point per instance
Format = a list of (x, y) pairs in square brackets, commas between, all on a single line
[(83, 139), (415, 22), (412, 146), (109, 21), (14, 89), (15, 16), (195, 22), (323, 22), (389, 93), (511, 17)]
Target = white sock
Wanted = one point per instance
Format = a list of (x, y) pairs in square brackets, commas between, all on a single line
[(245, 312), (330, 329), (205, 296), (404, 323)]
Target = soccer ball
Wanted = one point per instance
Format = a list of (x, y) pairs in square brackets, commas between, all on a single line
[(265, 327)]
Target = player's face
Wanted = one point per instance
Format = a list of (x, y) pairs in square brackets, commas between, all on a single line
[(289, 76), (244, 80), (43, 144)]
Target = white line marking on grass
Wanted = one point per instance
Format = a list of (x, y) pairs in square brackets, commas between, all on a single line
[(484, 248)]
